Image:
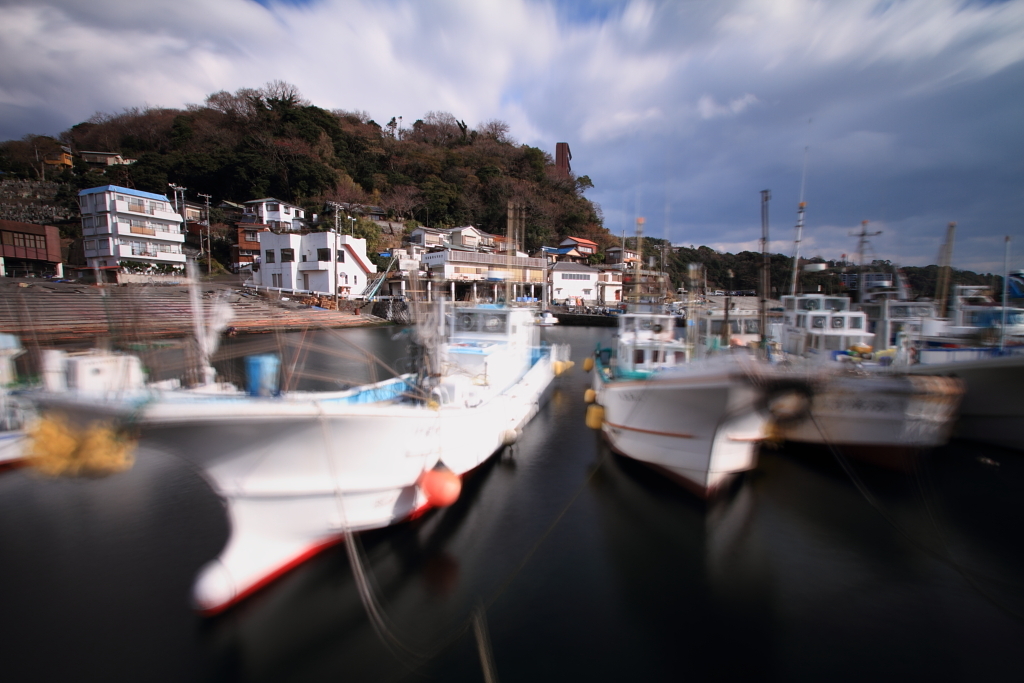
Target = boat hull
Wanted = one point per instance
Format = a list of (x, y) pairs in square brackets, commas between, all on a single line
[(700, 428), (879, 411), (992, 410), (298, 472)]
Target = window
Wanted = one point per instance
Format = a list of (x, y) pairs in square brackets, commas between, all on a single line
[(638, 356), (269, 256), (575, 276), (272, 207), (856, 323), (90, 245), (341, 256), (21, 239), (287, 255), (323, 254), (355, 279), (250, 236), (752, 326), (287, 211), (275, 279), (303, 258)]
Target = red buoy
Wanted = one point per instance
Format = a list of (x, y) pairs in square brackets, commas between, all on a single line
[(441, 487)]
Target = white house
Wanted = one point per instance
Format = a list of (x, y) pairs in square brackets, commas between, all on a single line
[(574, 282), (609, 286), (316, 262), (126, 228), (275, 213)]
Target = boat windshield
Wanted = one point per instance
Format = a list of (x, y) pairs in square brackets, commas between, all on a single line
[(490, 322)]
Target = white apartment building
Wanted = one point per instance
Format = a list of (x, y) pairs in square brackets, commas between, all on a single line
[(314, 262), (275, 213), (574, 283), (129, 228)]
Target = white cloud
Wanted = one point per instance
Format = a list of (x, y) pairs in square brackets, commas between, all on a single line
[(916, 103), (709, 109)]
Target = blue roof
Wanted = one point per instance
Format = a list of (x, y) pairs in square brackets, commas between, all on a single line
[(553, 250), (124, 190)]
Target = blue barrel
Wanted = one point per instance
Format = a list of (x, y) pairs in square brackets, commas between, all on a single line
[(261, 374)]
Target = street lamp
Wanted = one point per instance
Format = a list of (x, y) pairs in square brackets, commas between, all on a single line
[(352, 229)]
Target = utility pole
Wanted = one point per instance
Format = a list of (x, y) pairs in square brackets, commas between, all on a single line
[(209, 241), (766, 196), (176, 189), (334, 252)]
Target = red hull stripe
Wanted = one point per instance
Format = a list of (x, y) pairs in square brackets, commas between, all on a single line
[(651, 431), (306, 554)]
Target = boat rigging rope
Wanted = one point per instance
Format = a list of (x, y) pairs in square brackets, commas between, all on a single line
[(353, 547), (945, 558), (385, 630)]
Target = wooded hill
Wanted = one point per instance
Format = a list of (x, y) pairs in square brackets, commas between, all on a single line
[(270, 142)]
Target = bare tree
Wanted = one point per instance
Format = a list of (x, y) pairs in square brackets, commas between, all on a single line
[(499, 130), (402, 199), (441, 127), (283, 92)]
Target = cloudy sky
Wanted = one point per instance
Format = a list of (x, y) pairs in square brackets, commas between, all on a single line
[(911, 112)]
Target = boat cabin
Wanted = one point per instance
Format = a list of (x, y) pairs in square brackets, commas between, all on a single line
[(491, 345), (889, 318), (819, 325), (647, 343), (744, 327)]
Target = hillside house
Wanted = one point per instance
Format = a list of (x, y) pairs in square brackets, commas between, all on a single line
[(585, 247), (274, 213), (130, 228), (29, 249), (313, 262), (574, 283)]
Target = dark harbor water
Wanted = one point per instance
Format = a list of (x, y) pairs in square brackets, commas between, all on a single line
[(560, 562)]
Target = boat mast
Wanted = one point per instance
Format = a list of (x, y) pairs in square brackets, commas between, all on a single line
[(1006, 293), (945, 262), (766, 196), (638, 265), (862, 241), (799, 228)]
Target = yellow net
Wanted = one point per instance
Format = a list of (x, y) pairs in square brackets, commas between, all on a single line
[(59, 449)]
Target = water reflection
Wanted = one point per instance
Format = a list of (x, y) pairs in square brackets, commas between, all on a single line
[(587, 566)]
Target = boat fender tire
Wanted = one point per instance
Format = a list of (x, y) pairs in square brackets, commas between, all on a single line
[(589, 396), (588, 364), (788, 403)]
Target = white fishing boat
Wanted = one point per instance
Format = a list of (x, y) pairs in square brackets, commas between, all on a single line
[(970, 345), (12, 411), (697, 420), (856, 402), (546, 319), (299, 469)]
